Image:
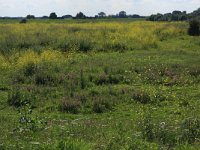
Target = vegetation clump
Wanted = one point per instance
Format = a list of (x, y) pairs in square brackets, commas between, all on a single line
[(194, 29), (70, 106), (23, 21)]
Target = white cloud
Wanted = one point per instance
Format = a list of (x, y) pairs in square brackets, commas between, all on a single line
[(92, 7)]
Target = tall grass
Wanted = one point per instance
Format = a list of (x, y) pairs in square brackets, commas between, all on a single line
[(101, 36)]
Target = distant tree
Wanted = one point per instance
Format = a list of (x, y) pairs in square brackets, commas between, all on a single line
[(195, 13), (122, 14), (194, 29), (174, 16), (23, 21), (67, 16), (183, 17), (45, 17), (176, 12), (53, 15), (30, 17), (80, 15), (102, 14)]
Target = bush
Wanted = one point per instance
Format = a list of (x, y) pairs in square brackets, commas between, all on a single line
[(74, 145), (190, 130), (162, 132), (30, 69), (142, 97), (194, 29), (45, 78), (104, 79), (23, 21), (85, 45), (101, 106), (70, 106), (17, 98)]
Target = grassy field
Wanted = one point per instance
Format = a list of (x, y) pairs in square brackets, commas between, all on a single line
[(118, 84)]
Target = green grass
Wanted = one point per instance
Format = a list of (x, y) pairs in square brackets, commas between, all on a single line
[(132, 99)]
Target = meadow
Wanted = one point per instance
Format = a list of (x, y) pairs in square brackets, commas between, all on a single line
[(99, 84)]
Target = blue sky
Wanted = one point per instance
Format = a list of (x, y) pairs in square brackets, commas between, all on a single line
[(92, 7)]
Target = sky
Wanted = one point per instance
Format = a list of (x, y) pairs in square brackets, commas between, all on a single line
[(93, 7)]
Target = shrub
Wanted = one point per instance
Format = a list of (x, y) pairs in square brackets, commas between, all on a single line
[(191, 130), (108, 79), (27, 122), (17, 98), (45, 78), (74, 145), (194, 71), (82, 80), (85, 45), (101, 105), (142, 97), (70, 106), (29, 69), (23, 21), (194, 29), (162, 132)]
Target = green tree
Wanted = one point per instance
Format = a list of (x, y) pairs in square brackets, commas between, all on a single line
[(102, 14), (80, 15), (53, 15), (30, 17), (122, 14)]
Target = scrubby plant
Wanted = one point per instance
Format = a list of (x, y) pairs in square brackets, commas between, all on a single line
[(30, 69), (17, 98), (23, 21), (85, 45), (194, 29), (190, 128), (161, 131), (28, 122), (70, 144), (83, 81), (141, 96), (108, 79), (194, 71), (45, 78), (101, 105), (70, 105)]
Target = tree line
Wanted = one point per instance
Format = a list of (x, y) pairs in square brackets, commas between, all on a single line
[(175, 16), (80, 15)]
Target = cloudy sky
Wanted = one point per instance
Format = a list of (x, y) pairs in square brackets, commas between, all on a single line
[(92, 7)]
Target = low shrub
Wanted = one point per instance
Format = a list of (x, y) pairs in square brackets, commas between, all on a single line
[(162, 132), (194, 71), (194, 29), (30, 69), (70, 106), (45, 78), (104, 79), (23, 21), (101, 105), (73, 145), (17, 98), (85, 45), (190, 130), (142, 97)]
